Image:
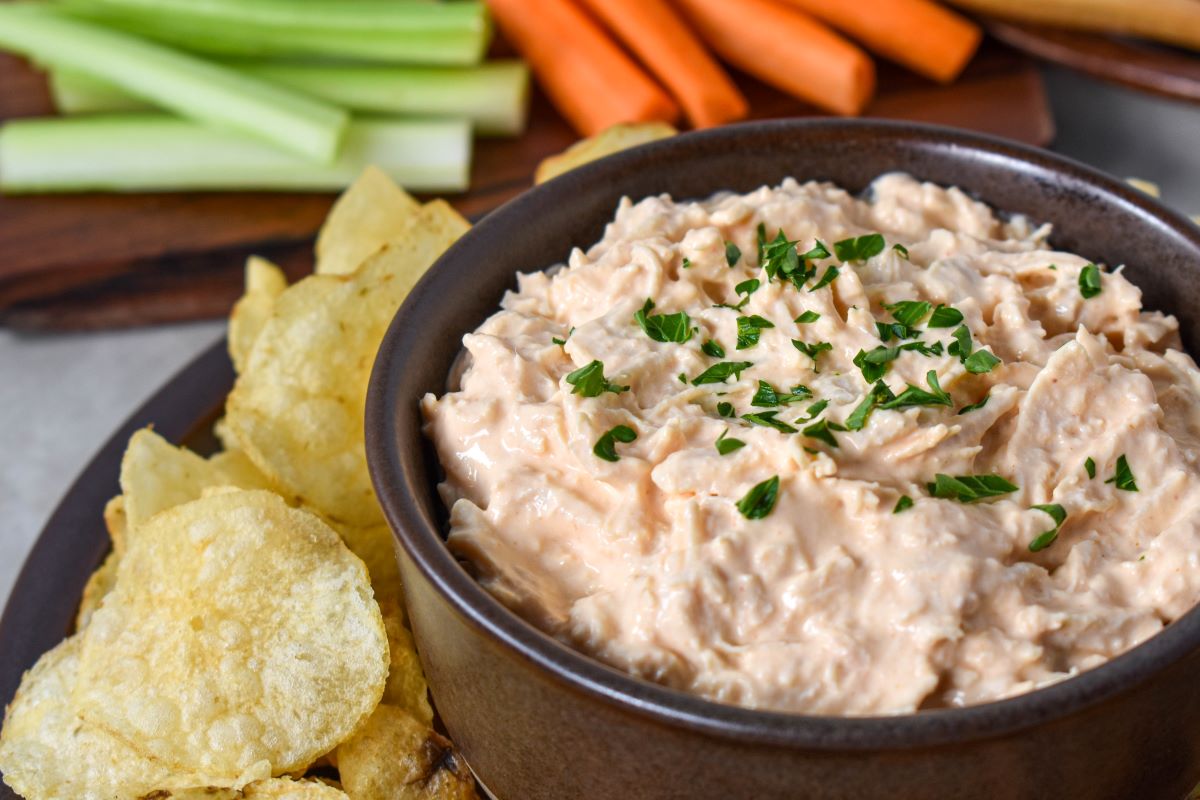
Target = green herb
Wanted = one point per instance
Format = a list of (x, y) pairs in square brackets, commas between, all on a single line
[(812, 411), (1090, 467), (905, 502), (1045, 539), (874, 363), (909, 312), (812, 350), (606, 445), (759, 501), (829, 277), (1089, 281), (725, 446), (589, 381), (934, 349), (879, 393), (767, 420), (945, 317), (558, 341), (768, 397), (760, 240), (913, 396), (901, 250), (713, 348), (725, 409), (818, 251), (732, 254), (687, 263), (675, 327), (748, 287), (682, 378), (749, 329), (962, 345), (969, 488), (1123, 478), (974, 406), (860, 248), (978, 362), (778, 257), (807, 317), (894, 330), (823, 431), (721, 372)]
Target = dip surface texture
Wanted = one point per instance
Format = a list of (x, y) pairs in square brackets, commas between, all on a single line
[(828, 592)]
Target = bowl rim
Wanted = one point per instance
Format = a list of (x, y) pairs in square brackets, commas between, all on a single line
[(580, 673)]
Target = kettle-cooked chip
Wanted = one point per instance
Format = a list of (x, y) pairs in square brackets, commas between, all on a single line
[(395, 757), (367, 216), (297, 409), (264, 282), (241, 630), (116, 523), (269, 789), (375, 546), (98, 586), (406, 686)]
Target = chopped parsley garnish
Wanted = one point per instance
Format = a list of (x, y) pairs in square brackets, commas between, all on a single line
[(807, 317), (894, 330), (713, 348), (589, 381), (829, 277), (977, 362), (874, 363), (687, 263), (749, 329), (725, 409), (1046, 538), (812, 350), (1123, 477), (974, 406), (902, 251), (606, 445), (818, 251), (1090, 467), (823, 430), (767, 420), (768, 396), (675, 327), (744, 289), (969, 488), (879, 393), (860, 248), (725, 445), (733, 254), (1089, 281), (759, 501), (779, 256), (945, 317), (682, 378), (721, 372), (905, 502), (909, 312), (913, 396), (812, 412), (558, 341)]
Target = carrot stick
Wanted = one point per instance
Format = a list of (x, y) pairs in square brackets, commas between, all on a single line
[(921, 35), (654, 33), (787, 49), (590, 80)]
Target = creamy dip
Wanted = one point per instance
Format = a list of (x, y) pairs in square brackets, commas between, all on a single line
[(834, 562)]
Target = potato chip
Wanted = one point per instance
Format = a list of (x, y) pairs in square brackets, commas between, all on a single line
[(406, 687), (395, 757), (367, 216), (236, 469), (98, 586), (240, 631), (264, 282), (116, 522), (376, 547), (297, 409), (611, 140), (270, 789)]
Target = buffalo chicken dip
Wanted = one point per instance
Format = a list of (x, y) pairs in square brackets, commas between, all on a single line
[(803, 451)]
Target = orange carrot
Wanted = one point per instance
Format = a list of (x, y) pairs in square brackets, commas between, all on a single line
[(655, 34), (919, 34), (787, 49), (590, 80)]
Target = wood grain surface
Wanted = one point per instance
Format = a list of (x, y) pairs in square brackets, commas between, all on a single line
[(109, 260)]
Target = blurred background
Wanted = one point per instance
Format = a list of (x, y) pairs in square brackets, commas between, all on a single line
[(148, 147)]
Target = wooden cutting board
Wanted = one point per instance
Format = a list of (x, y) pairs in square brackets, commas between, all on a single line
[(101, 260)]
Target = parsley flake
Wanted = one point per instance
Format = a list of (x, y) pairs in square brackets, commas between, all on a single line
[(725, 409), (812, 412), (977, 362), (945, 317), (905, 502), (829, 277), (1123, 477), (1089, 466), (675, 327), (823, 430), (914, 396), (1046, 538), (558, 341), (807, 317), (687, 263), (860, 248), (974, 406), (874, 363), (767, 420), (589, 381), (606, 445), (733, 254), (768, 396), (749, 329), (721, 372), (1089, 281), (909, 312), (759, 501), (713, 348), (969, 488), (879, 393), (901, 251), (812, 350), (726, 445)]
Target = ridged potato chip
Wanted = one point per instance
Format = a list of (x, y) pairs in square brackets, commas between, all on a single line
[(297, 409), (241, 630), (264, 283), (367, 216), (406, 686), (395, 757)]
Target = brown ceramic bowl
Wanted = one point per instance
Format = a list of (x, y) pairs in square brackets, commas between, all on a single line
[(539, 720)]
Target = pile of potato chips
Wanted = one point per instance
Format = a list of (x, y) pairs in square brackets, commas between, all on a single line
[(246, 638)]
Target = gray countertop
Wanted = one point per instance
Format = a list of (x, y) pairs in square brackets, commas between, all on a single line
[(61, 396)]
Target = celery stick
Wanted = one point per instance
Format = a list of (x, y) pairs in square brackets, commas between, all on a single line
[(156, 152), (494, 96), (449, 47), (192, 87)]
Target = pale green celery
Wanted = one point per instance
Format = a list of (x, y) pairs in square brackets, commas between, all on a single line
[(189, 86), (156, 152), (494, 95), (451, 46)]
